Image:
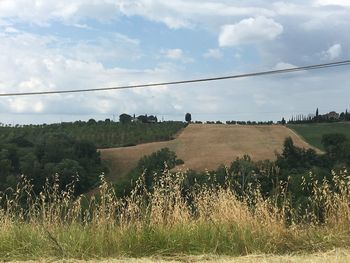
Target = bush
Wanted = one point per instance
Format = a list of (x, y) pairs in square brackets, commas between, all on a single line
[(179, 162), (54, 153), (148, 166)]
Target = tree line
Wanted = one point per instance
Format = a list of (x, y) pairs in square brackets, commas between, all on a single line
[(320, 118)]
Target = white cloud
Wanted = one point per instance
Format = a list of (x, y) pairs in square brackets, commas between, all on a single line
[(25, 105), (29, 63), (82, 26), (11, 30), (332, 2), (175, 53), (213, 53), (251, 30), (237, 55), (283, 65), (103, 49), (174, 14), (188, 13), (44, 11), (333, 52)]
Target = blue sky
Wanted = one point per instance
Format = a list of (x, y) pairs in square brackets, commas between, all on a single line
[(56, 45)]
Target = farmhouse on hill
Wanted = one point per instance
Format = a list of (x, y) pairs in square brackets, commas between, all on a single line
[(332, 115), (145, 119)]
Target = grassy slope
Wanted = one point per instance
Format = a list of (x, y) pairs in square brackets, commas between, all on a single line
[(102, 134), (208, 146), (313, 133)]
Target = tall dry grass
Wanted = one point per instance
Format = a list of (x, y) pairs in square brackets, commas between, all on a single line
[(168, 221)]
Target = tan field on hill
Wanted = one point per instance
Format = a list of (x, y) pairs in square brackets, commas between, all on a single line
[(206, 146)]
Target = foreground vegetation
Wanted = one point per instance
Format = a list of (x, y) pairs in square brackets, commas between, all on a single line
[(168, 221), (313, 132), (333, 256)]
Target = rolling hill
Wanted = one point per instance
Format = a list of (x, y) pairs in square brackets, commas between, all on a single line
[(204, 146), (313, 132)]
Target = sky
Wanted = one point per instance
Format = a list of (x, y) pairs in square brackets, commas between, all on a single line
[(48, 45)]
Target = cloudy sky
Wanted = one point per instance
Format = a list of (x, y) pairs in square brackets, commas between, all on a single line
[(74, 44)]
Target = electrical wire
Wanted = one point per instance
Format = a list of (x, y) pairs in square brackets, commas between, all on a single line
[(246, 75)]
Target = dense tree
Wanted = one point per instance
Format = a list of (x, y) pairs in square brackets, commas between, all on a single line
[(125, 118), (91, 121), (53, 153), (295, 158), (147, 119), (143, 118), (152, 119), (188, 117), (335, 146), (150, 167)]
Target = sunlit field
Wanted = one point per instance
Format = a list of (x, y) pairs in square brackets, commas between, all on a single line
[(224, 142)]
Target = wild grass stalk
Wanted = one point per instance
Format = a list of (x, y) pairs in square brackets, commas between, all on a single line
[(168, 221)]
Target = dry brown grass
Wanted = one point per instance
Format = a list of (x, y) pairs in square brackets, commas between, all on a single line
[(162, 222), (334, 256), (204, 146)]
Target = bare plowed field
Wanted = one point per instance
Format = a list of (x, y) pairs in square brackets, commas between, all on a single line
[(204, 146)]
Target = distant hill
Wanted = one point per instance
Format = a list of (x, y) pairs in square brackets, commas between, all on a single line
[(103, 134), (313, 132), (206, 146)]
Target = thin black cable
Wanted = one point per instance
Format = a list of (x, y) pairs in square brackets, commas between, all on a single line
[(247, 75)]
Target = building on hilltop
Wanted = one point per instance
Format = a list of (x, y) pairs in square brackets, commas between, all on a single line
[(134, 119), (332, 115), (147, 119)]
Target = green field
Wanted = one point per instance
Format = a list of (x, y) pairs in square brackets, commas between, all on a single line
[(313, 132), (104, 134)]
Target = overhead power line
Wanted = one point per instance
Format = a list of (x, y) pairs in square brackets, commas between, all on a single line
[(246, 75)]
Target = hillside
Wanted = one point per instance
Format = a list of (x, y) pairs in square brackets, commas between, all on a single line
[(313, 132), (104, 134), (204, 146)]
